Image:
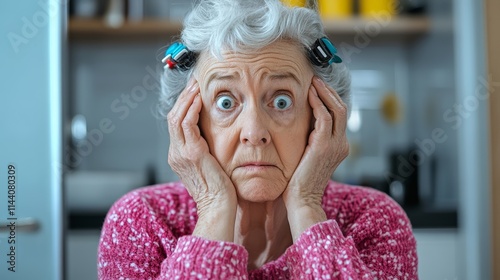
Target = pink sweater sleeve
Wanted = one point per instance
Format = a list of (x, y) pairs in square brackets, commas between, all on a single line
[(136, 244), (322, 251), (193, 258), (198, 258), (377, 244)]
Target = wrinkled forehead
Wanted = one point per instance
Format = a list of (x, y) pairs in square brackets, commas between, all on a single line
[(278, 60)]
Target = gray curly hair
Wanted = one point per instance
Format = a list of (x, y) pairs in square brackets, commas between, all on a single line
[(248, 25)]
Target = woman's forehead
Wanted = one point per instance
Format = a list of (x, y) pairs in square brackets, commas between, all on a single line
[(278, 61)]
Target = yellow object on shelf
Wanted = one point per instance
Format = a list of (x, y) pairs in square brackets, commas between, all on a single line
[(391, 108), (329, 9), (294, 3), (370, 8)]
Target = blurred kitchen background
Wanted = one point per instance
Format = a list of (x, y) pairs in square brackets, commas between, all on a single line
[(403, 128)]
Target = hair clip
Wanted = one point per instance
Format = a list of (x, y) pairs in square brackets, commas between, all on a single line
[(177, 55), (323, 53)]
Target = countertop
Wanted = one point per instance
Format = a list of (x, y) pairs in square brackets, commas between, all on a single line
[(419, 217)]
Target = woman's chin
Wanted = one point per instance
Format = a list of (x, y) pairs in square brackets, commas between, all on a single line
[(259, 190)]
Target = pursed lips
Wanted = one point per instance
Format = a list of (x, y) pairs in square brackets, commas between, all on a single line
[(257, 164), (254, 166)]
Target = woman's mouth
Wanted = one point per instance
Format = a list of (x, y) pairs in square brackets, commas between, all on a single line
[(257, 164)]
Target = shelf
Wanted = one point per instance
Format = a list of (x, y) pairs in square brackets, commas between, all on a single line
[(97, 29), (398, 28)]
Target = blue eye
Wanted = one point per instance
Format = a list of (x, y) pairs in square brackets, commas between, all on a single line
[(282, 102), (225, 102)]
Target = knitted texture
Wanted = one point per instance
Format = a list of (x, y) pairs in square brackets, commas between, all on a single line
[(146, 235)]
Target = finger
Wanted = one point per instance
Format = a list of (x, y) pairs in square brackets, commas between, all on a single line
[(340, 124), (178, 113), (340, 121), (190, 123), (340, 118), (324, 121), (183, 96), (324, 94), (334, 104), (339, 112)]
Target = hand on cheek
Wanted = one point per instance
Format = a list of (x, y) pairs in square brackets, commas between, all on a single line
[(205, 180), (327, 147)]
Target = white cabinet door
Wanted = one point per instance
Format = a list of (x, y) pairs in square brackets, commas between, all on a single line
[(30, 139), (437, 253)]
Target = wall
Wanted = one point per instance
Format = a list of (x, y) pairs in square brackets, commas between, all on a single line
[(118, 82)]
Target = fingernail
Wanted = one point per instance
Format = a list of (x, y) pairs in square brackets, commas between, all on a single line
[(192, 87), (320, 81)]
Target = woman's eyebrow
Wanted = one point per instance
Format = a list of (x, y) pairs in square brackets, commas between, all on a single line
[(218, 76), (221, 77), (283, 76)]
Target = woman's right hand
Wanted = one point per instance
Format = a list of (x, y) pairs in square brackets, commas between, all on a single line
[(204, 178)]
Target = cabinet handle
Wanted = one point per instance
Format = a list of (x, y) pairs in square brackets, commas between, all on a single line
[(78, 129), (20, 225)]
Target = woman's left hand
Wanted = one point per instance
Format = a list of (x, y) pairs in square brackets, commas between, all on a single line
[(327, 147)]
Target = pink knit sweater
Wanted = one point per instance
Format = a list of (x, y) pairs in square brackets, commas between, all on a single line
[(146, 235)]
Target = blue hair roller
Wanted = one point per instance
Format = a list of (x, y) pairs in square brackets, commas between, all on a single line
[(179, 56), (323, 53)]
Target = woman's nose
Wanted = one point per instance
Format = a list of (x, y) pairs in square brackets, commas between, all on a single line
[(254, 130)]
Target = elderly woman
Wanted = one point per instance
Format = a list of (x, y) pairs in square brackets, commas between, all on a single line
[(257, 128)]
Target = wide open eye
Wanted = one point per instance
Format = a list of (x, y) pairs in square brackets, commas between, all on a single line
[(225, 102), (282, 102)]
